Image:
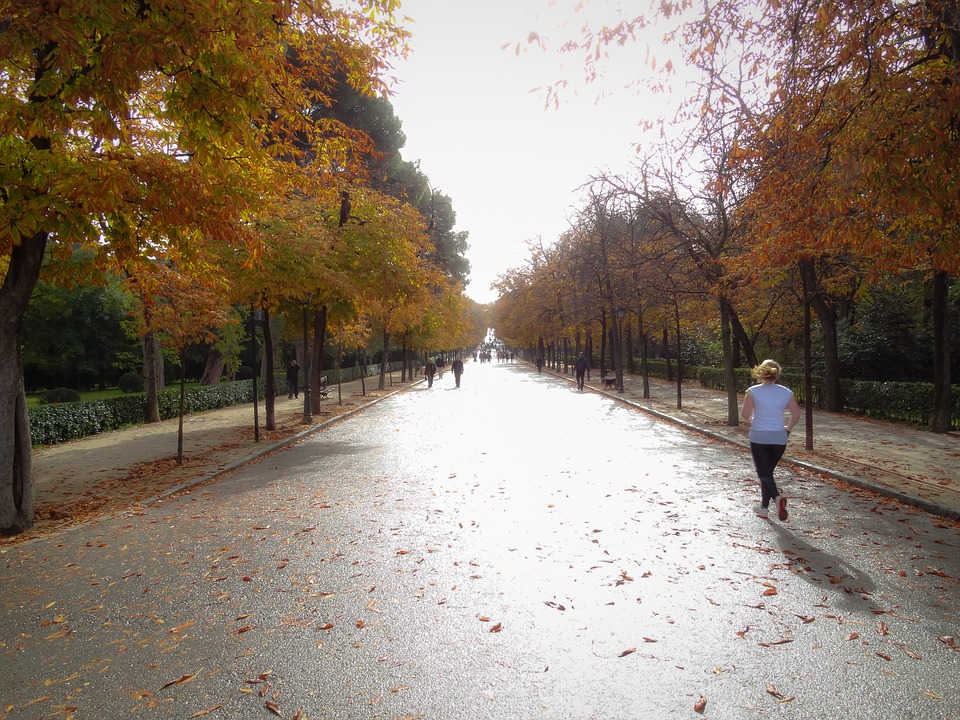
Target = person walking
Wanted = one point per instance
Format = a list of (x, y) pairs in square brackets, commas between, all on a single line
[(581, 369), (457, 367), (293, 380), (430, 370), (540, 363), (441, 363), (763, 408)]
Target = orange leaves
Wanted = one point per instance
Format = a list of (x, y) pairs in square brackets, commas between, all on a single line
[(207, 711), (700, 705), (628, 651), (780, 697), (180, 680), (494, 628)]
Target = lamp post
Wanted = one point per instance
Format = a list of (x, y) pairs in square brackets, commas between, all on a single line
[(307, 405), (255, 317), (619, 368)]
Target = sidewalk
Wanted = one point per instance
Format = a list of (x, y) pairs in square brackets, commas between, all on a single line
[(116, 471)]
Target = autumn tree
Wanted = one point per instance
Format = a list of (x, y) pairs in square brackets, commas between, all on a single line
[(858, 101), (171, 107)]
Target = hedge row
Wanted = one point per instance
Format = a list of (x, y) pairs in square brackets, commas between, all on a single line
[(58, 423), (905, 402)]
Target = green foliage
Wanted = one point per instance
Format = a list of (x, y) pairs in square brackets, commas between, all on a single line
[(74, 337), (130, 382), (59, 395), (909, 402), (887, 337), (54, 424)]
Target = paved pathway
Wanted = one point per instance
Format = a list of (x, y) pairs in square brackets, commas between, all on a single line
[(116, 470)]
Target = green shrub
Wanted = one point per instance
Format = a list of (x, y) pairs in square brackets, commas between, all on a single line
[(59, 395), (53, 424), (130, 382)]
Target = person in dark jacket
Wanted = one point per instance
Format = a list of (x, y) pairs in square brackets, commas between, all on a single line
[(430, 370), (581, 369), (457, 367), (293, 379)]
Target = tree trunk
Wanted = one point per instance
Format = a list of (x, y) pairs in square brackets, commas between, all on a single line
[(807, 371), (17, 491), (644, 355), (151, 386), (270, 389), (942, 392), (213, 369), (603, 345), (383, 365), (729, 377), (746, 343), (827, 315), (676, 317), (181, 407), (316, 359), (666, 352)]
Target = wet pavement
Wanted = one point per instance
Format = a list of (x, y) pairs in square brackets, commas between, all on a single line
[(511, 549)]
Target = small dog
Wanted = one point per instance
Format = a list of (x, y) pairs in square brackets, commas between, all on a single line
[(609, 383)]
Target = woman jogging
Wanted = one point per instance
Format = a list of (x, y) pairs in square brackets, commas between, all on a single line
[(763, 407)]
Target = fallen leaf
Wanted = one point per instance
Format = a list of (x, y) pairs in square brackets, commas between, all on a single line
[(700, 705), (772, 690), (853, 636), (628, 651), (649, 640), (497, 628), (180, 680), (180, 628), (911, 653), (273, 707), (38, 700), (201, 713), (326, 626)]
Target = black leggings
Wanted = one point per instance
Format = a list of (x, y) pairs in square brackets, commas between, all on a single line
[(765, 459)]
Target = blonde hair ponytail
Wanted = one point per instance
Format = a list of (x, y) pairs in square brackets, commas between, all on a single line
[(768, 370)]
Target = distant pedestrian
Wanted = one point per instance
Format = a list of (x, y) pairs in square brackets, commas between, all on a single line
[(540, 363), (581, 369), (430, 370), (763, 408), (293, 380), (457, 367), (441, 364)]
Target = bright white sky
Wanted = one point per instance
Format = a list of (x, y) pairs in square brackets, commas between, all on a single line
[(483, 136)]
